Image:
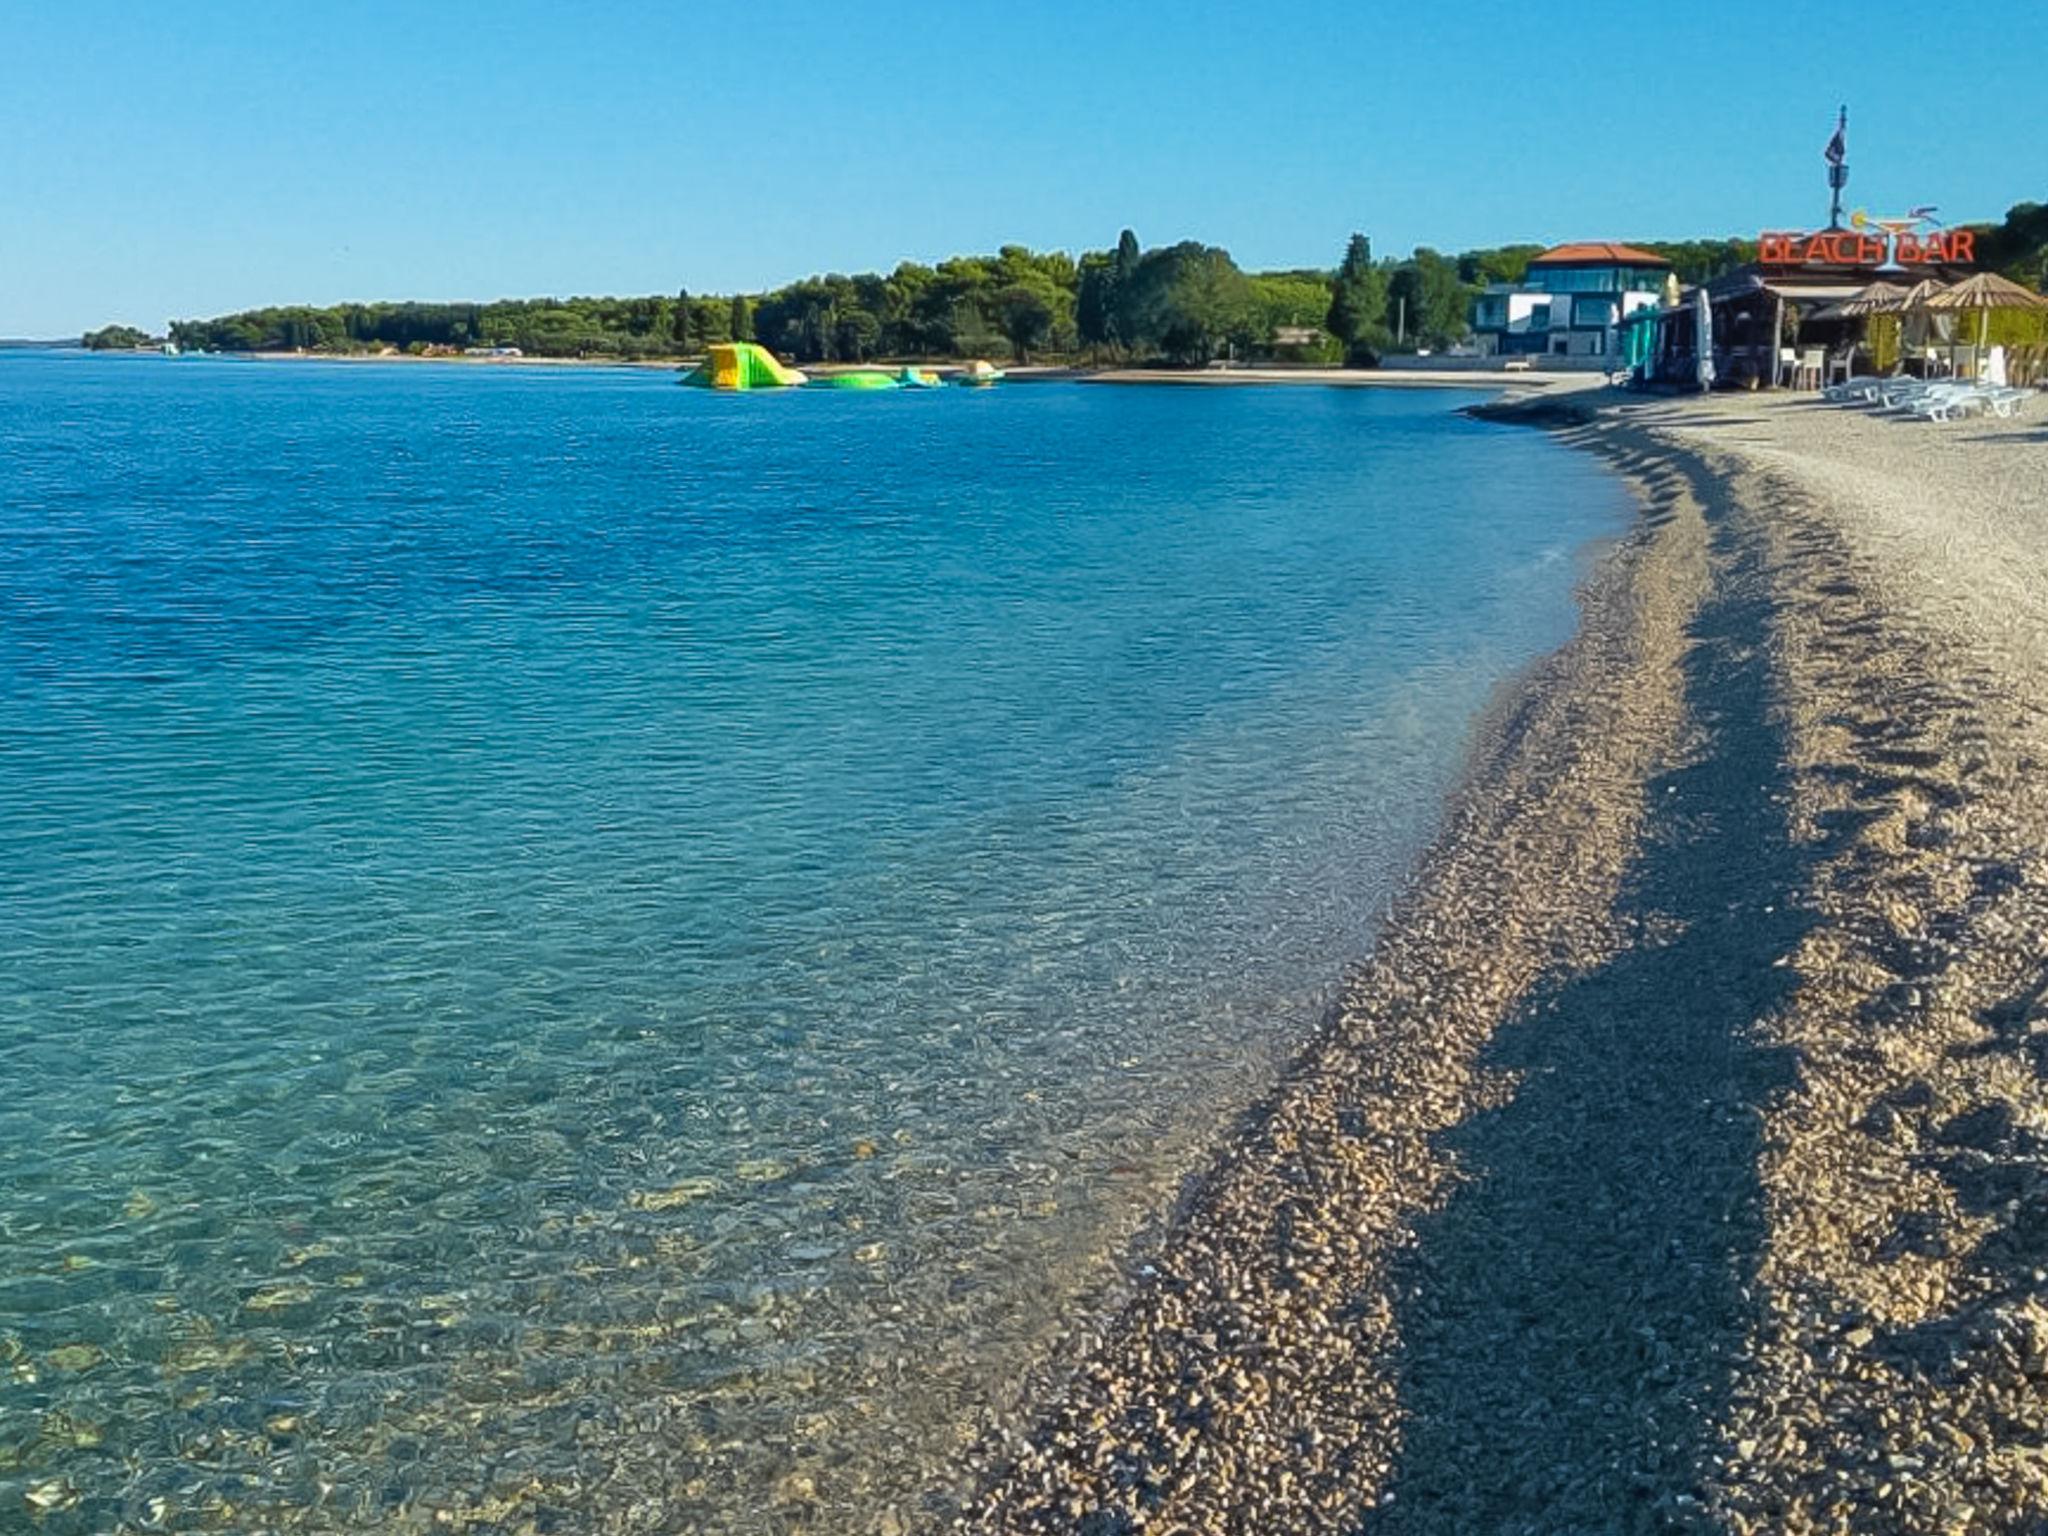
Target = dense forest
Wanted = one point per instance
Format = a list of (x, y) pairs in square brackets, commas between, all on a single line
[(115, 338), (1185, 304)]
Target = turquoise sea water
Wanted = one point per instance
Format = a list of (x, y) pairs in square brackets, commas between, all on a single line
[(578, 955)]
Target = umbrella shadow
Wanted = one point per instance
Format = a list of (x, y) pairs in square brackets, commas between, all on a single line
[(2039, 435), (1572, 1318)]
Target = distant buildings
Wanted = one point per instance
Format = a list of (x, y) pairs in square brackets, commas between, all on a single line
[(1570, 301)]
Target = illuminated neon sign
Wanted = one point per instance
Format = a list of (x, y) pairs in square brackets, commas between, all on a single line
[(1847, 248), (1879, 244), (1884, 245)]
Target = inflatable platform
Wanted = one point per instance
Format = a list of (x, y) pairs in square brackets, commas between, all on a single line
[(857, 378), (742, 365)]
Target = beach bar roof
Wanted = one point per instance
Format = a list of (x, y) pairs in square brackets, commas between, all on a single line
[(1748, 282)]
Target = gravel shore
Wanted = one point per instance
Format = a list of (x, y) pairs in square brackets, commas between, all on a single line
[(1677, 1159)]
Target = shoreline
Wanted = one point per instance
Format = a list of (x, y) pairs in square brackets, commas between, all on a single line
[(1480, 379), (1312, 1195), (1674, 1149)]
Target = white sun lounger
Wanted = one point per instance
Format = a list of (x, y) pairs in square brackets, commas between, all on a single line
[(1915, 394), (1969, 399), (1947, 404), (1862, 387)]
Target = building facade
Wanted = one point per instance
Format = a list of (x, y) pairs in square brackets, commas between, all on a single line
[(1570, 301)]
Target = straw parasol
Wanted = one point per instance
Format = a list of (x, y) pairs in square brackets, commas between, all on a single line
[(1916, 297), (1910, 305), (1869, 300), (1986, 291), (1983, 293)]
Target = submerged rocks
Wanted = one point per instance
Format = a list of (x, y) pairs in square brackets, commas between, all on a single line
[(50, 1496), (76, 1358), (674, 1197)]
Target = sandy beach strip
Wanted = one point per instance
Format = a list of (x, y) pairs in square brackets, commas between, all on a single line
[(1679, 1159)]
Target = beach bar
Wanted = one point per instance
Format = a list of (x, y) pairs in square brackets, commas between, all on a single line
[(1780, 320)]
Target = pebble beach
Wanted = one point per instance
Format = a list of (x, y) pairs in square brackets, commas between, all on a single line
[(1676, 1160)]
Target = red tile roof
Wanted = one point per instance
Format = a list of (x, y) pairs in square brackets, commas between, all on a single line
[(1589, 251)]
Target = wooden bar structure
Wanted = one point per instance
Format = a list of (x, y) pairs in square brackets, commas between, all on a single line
[(1772, 326)]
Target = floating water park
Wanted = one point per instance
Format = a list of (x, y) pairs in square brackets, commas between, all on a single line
[(740, 365), (747, 365)]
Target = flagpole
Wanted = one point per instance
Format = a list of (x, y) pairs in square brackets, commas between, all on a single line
[(1838, 166)]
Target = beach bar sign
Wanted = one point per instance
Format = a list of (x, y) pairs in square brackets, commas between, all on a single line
[(1883, 245)]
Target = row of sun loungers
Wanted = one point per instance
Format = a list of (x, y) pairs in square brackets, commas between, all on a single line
[(1928, 399)]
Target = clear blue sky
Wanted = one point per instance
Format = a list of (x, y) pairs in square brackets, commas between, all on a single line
[(163, 160)]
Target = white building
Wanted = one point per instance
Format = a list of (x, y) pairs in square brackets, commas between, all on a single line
[(1570, 300)]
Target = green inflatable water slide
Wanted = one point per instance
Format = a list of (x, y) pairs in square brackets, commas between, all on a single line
[(742, 365)]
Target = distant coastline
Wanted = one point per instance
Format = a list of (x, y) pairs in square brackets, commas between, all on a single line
[(1182, 305), (1393, 374)]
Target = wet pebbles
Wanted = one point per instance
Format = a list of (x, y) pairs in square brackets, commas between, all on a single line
[(1680, 1158)]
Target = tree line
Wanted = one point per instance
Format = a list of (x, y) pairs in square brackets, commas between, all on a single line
[(115, 338), (1184, 304), (2018, 247)]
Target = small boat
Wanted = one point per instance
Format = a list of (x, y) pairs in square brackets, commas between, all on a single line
[(979, 374)]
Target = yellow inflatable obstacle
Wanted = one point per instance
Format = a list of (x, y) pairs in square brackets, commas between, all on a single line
[(741, 365)]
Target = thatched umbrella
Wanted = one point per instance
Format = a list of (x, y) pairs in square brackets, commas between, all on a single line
[(1872, 299), (1984, 292), (1915, 297), (1913, 302)]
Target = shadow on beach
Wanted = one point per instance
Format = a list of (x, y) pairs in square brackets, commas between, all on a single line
[(1572, 1318)]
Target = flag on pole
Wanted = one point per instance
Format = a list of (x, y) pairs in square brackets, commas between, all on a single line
[(1837, 151)]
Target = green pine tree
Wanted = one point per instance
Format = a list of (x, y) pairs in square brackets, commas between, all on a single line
[(1123, 268), (1358, 306)]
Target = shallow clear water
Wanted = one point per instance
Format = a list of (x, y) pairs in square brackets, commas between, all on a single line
[(576, 954)]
